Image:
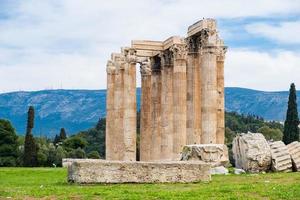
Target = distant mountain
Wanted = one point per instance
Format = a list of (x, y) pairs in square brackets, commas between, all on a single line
[(269, 105), (77, 110)]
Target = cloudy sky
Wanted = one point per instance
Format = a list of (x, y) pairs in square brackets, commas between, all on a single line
[(54, 44)]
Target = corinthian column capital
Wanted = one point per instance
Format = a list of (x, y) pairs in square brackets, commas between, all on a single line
[(221, 51), (110, 67), (179, 51), (145, 68), (130, 55)]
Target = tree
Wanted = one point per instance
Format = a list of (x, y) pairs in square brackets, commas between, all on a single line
[(77, 153), (74, 142), (56, 139), (271, 133), (30, 147), (62, 134), (291, 129), (8, 144)]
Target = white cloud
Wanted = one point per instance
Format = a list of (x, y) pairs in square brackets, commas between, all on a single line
[(261, 70), (285, 32), (49, 43)]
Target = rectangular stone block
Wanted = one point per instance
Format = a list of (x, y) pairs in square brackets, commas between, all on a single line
[(103, 171)]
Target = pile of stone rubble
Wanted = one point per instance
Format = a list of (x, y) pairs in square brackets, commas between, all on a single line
[(253, 153)]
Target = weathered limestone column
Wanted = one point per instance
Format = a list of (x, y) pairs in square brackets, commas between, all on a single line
[(209, 96), (156, 108), (221, 100), (109, 139), (118, 140), (146, 133), (179, 98), (129, 118), (167, 132), (193, 91)]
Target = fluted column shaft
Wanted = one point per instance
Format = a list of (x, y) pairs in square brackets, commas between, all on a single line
[(110, 112), (221, 100), (129, 118), (167, 132), (209, 95), (146, 131), (156, 114), (118, 140), (179, 105)]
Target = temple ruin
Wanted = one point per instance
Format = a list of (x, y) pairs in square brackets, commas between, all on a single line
[(182, 95)]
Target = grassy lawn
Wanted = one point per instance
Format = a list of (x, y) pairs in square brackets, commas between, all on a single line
[(50, 183)]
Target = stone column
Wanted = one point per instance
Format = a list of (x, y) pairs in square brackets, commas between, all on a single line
[(221, 103), (146, 133), (118, 140), (167, 132), (109, 139), (129, 120), (179, 98), (193, 91), (209, 96), (156, 108)]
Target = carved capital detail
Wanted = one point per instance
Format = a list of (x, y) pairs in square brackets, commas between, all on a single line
[(196, 42), (179, 51), (166, 57), (110, 67), (130, 55), (221, 51), (145, 68)]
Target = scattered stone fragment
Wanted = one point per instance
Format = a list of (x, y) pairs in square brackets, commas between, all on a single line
[(251, 152), (281, 159), (294, 149), (239, 171), (219, 170), (215, 154)]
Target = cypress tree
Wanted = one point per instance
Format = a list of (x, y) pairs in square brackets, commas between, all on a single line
[(30, 147), (291, 129), (56, 139), (62, 134)]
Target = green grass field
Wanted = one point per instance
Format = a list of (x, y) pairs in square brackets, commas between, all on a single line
[(50, 183)]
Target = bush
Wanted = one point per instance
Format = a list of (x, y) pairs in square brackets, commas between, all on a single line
[(94, 155), (77, 153)]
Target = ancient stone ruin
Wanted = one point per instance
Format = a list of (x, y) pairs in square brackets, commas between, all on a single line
[(182, 95), (253, 153), (214, 154), (182, 103)]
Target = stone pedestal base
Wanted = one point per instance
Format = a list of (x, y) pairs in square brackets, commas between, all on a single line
[(102, 171), (214, 154)]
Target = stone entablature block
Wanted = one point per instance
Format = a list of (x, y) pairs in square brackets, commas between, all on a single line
[(103, 171)]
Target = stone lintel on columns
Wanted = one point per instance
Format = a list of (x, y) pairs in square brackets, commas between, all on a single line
[(147, 45), (209, 24)]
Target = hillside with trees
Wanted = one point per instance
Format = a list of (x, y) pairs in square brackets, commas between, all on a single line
[(90, 143)]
